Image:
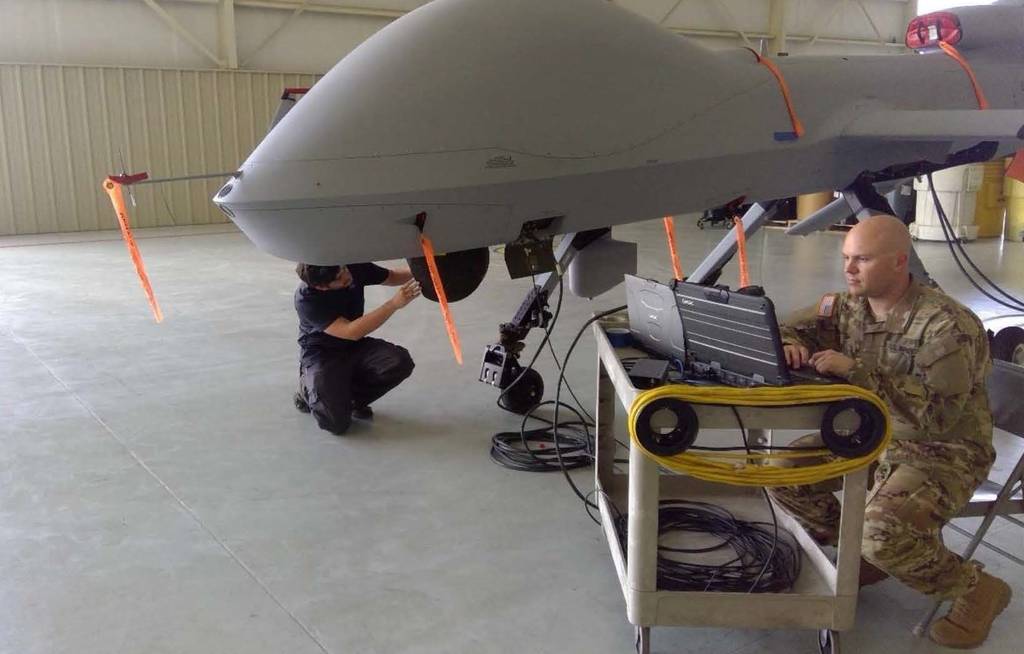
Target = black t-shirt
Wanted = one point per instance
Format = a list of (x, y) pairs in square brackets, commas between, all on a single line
[(318, 309)]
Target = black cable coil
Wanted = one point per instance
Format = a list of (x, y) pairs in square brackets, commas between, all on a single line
[(764, 559), (535, 450)]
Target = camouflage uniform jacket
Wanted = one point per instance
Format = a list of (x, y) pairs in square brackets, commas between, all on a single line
[(928, 360)]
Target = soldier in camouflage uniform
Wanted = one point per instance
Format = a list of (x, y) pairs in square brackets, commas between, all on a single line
[(927, 357)]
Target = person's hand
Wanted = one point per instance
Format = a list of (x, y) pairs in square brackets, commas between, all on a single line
[(406, 293), (797, 356), (830, 362)]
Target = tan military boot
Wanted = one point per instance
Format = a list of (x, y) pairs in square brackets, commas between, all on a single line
[(967, 624)]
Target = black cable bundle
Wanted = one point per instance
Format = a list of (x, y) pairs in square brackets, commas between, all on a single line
[(765, 560), (1008, 300), (528, 450)]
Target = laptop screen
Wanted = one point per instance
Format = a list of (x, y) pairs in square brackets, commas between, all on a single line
[(731, 335), (653, 318)]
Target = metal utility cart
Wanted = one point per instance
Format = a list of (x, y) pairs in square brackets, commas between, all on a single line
[(825, 595)]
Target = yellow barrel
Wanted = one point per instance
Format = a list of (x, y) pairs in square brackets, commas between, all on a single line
[(808, 204), (991, 203), (1014, 210)]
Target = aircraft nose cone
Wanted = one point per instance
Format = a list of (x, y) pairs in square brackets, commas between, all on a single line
[(220, 199)]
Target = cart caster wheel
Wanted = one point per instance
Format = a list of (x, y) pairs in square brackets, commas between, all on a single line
[(643, 640), (852, 428), (828, 641), (667, 427), (525, 393)]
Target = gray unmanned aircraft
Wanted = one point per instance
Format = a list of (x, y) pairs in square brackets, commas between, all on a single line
[(484, 122), (496, 121)]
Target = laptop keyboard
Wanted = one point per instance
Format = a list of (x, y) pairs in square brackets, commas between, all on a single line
[(811, 376)]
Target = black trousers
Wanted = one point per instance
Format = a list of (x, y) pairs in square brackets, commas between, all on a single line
[(334, 382)]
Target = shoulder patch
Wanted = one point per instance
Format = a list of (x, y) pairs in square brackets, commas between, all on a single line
[(827, 306)]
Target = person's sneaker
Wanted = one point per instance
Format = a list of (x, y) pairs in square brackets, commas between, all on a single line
[(969, 619), (362, 413), (300, 403)]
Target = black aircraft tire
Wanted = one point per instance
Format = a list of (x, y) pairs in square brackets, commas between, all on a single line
[(1008, 345), (524, 394)]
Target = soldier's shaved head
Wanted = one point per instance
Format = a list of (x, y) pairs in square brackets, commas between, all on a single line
[(876, 254), (882, 234)]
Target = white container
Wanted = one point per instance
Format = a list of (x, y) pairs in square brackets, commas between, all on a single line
[(957, 189)]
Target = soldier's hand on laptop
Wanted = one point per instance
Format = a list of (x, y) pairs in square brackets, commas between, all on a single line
[(830, 362), (797, 356)]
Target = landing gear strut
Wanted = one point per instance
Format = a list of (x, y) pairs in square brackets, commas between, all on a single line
[(523, 388)]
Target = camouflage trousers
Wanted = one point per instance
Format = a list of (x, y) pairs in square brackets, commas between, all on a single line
[(918, 487)]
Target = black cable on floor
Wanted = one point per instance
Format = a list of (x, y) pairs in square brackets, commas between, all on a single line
[(1014, 303), (526, 450), (558, 403), (551, 348), (533, 450), (579, 404)]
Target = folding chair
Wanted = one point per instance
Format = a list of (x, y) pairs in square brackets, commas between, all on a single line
[(1005, 389)]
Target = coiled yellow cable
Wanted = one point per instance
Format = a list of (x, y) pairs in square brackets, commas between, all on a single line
[(752, 469)]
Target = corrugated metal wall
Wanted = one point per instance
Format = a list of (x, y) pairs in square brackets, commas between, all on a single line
[(63, 129)]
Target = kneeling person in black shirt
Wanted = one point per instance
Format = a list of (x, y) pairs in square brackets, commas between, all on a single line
[(342, 370)]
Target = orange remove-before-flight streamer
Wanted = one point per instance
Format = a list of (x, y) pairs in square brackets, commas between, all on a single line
[(954, 54), (670, 234), (442, 299), (741, 251), (113, 189), (798, 126)]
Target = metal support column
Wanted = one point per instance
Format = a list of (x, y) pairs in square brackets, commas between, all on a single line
[(227, 42)]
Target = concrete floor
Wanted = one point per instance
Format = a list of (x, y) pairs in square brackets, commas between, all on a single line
[(160, 494)]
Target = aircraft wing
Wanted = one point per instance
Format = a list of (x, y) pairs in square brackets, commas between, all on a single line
[(938, 125)]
